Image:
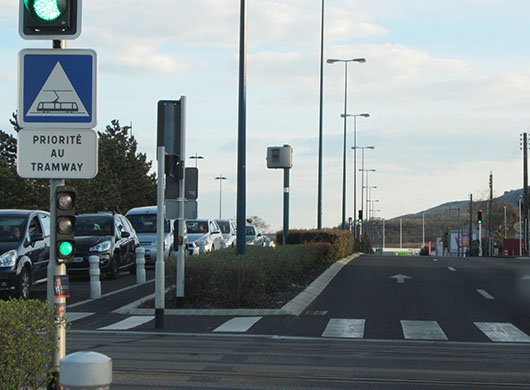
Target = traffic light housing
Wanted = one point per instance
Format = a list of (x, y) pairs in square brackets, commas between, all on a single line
[(50, 19), (360, 219), (65, 223), (479, 217)]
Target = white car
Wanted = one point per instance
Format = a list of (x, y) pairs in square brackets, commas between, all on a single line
[(228, 230), (203, 234)]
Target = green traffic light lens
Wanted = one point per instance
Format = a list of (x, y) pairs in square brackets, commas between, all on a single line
[(65, 248), (47, 10)]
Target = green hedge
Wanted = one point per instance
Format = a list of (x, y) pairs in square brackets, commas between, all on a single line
[(230, 280), (26, 344), (342, 240)]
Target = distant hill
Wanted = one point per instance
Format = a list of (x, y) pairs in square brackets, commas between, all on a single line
[(448, 210), (444, 218)]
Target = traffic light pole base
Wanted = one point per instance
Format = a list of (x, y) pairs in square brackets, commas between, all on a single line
[(159, 318)]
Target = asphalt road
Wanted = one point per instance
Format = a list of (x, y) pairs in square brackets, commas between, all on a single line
[(381, 322)]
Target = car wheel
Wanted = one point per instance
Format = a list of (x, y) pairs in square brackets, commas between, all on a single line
[(114, 272), (24, 284)]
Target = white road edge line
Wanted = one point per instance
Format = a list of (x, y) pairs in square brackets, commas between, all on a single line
[(485, 294), (451, 269)]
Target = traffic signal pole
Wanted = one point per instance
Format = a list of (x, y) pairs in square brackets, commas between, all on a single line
[(57, 303)]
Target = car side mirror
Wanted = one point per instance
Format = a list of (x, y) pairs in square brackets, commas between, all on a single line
[(125, 234)]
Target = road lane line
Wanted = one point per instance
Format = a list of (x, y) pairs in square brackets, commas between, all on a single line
[(238, 324), (422, 330), (485, 294), (76, 315), (502, 332), (451, 269), (344, 328), (128, 323)]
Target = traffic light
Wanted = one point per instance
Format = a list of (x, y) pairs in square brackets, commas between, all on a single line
[(65, 209), (360, 219), (480, 217), (50, 19)]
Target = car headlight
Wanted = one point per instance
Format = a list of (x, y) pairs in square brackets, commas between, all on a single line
[(8, 259), (101, 247)]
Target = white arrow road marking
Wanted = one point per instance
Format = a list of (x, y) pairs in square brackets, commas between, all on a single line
[(434, 259), (344, 327), (526, 277), (451, 269), (400, 278)]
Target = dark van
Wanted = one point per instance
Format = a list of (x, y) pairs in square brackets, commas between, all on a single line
[(24, 250)]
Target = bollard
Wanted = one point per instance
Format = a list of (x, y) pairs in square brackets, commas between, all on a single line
[(140, 265), (85, 371), (95, 284)]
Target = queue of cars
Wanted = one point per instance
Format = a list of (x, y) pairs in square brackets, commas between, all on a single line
[(25, 243)]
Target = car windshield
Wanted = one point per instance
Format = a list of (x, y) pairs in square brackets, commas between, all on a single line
[(146, 223), (94, 225), (249, 231), (224, 226), (197, 227), (11, 228)]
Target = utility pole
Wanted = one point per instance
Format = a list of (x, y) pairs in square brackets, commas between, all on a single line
[(525, 192), (470, 223), (490, 213)]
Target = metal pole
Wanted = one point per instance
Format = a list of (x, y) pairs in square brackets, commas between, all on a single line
[(319, 200), (505, 227), (520, 230), (159, 265), (355, 165), (286, 205), (344, 149), (423, 230), (480, 239), (54, 270), (181, 251), (362, 191), (400, 233), (525, 192), (241, 142), (220, 194)]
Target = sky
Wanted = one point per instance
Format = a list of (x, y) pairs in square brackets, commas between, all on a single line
[(446, 84)]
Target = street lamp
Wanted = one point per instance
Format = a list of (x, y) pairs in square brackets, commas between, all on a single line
[(220, 178), (362, 175), (196, 157), (366, 170), (332, 61)]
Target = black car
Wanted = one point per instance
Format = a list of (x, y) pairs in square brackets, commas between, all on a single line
[(24, 250), (109, 236)]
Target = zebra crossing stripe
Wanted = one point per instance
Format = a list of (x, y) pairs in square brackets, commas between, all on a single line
[(422, 330), (128, 323), (238, 324), (502, 332), (345, 328), (73, 316)]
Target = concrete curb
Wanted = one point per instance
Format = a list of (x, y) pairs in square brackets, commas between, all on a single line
[(295, 306)]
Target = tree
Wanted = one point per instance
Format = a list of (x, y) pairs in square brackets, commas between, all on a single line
[(259, 223), (123, 179)]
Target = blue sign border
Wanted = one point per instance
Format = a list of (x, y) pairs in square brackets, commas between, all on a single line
[(36, 65)]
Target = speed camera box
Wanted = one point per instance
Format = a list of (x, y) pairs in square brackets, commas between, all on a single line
[(279, 157)]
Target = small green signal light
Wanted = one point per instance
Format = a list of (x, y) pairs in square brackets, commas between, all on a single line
[(65, 248), (46, 10)]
